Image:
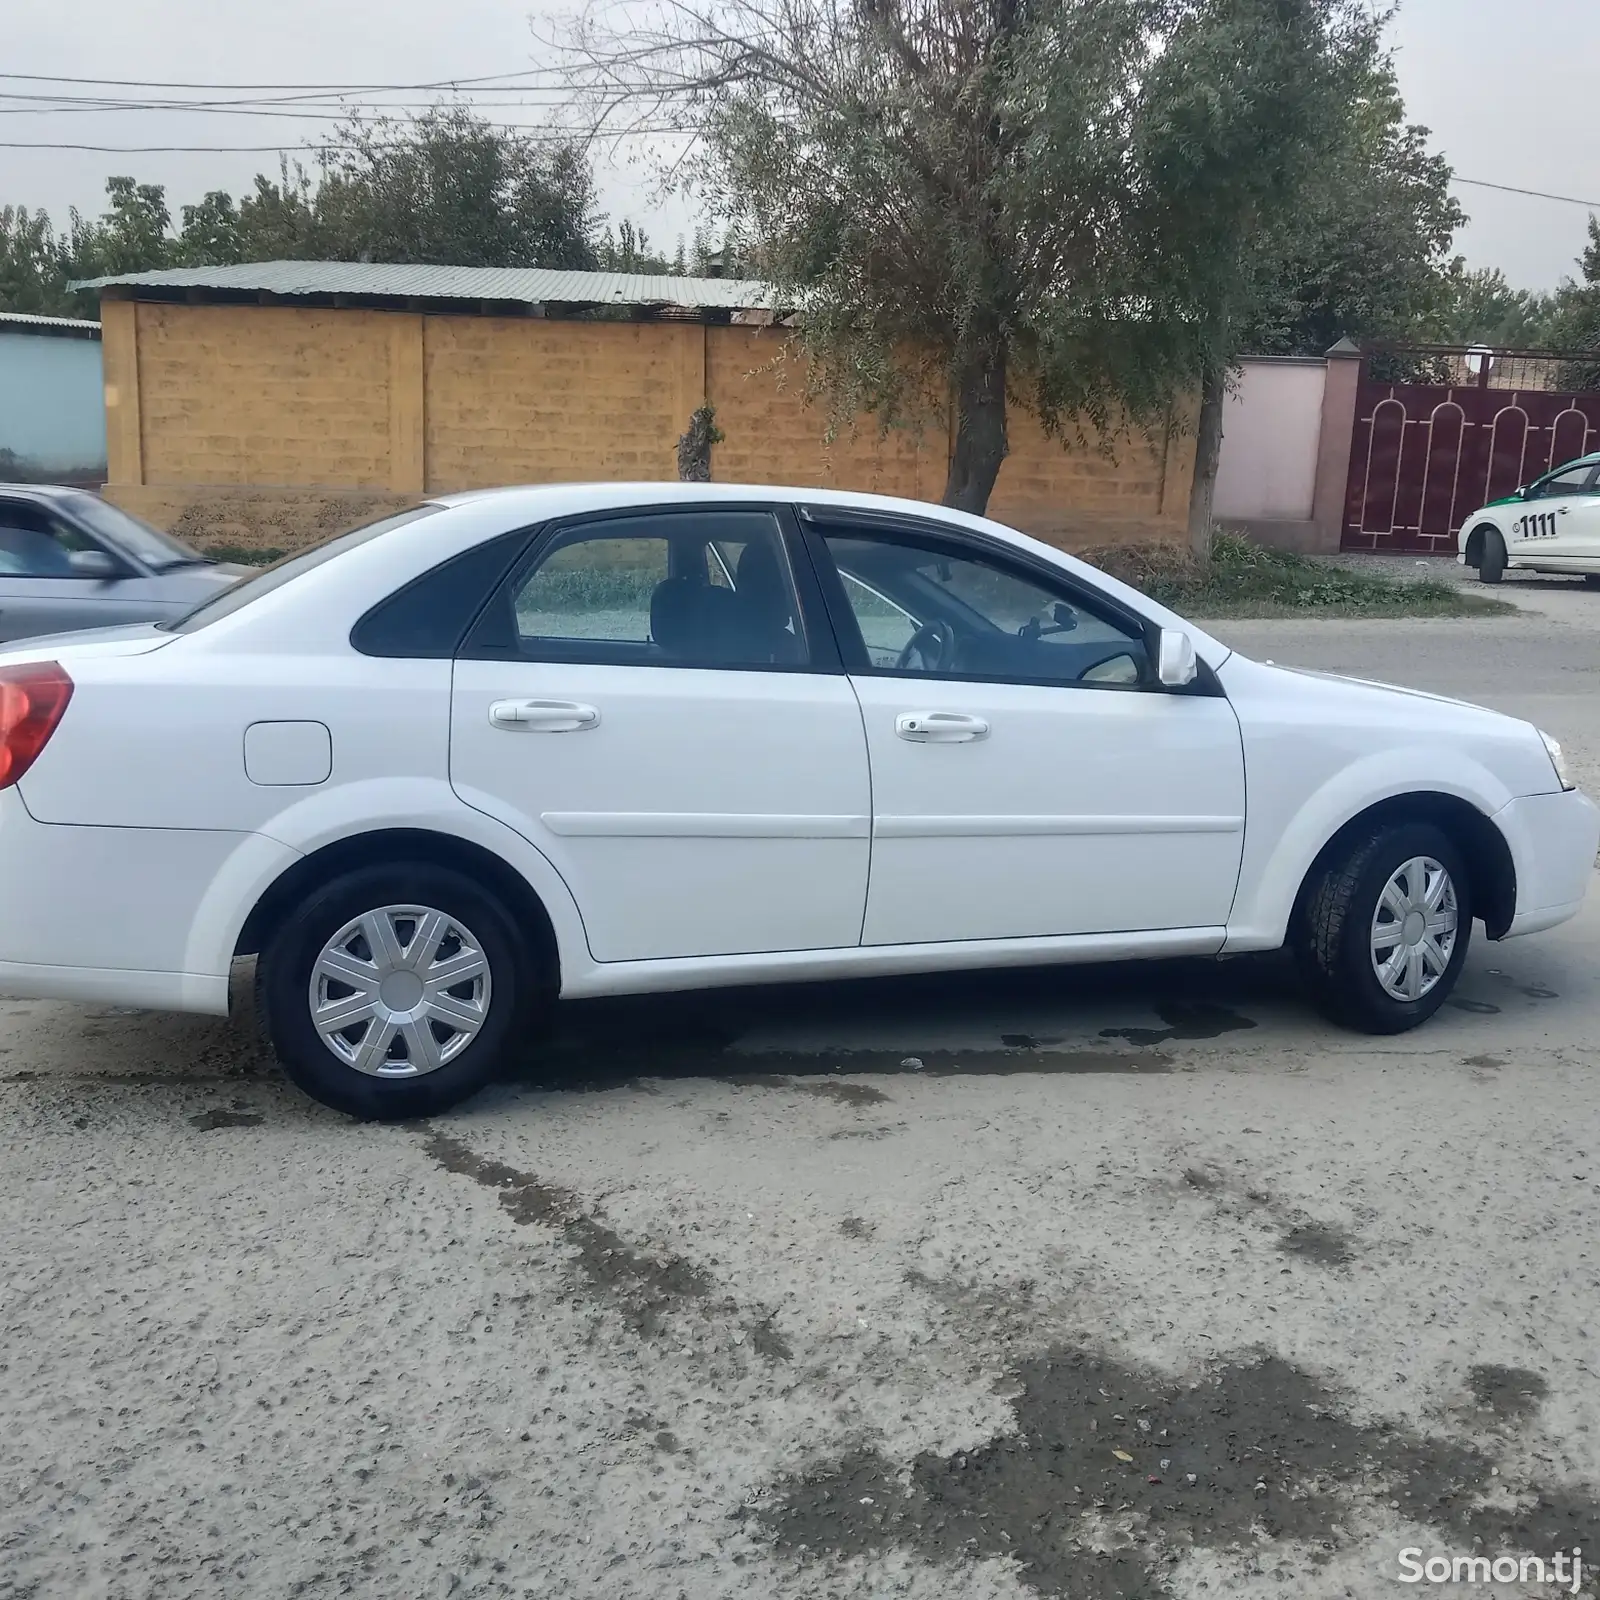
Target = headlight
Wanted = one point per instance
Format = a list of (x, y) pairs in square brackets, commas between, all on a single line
[(1557, 760)]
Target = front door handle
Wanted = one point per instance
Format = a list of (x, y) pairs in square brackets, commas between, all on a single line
[(940, 727), (543, 716)]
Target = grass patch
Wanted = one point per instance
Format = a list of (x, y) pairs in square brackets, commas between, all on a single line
[(244, 555), (1245, 579)]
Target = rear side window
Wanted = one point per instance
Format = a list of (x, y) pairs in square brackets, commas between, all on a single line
[(428, 619), (227, 601)]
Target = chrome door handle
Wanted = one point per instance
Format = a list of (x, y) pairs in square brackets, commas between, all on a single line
[(940, 727), (543, 716)]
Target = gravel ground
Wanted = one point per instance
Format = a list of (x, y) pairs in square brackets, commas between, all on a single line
[(1135, 1282)]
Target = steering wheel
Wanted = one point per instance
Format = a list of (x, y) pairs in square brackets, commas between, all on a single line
[(934, 643)]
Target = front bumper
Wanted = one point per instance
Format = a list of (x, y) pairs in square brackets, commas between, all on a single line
[(1554, 839)]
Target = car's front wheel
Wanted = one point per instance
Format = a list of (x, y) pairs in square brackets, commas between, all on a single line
[(1491, 555), (1382, 930), (395, 991)]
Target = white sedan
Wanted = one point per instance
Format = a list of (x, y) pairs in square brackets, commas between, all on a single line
[(609, 739), (1550, 525)]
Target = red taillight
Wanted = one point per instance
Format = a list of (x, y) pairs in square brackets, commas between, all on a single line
[(32, 698)]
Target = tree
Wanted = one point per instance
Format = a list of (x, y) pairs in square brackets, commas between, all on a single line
[(210, 234), (1575, 317), (628, 250), (1003, 199), (1485, 309), (450, 188), (133, 233), (1367, 252), (31, 276)]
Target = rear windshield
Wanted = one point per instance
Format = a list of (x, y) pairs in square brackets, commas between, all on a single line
[(226, 601)]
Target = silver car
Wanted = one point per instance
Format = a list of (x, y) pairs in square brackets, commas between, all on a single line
[(70, 560)]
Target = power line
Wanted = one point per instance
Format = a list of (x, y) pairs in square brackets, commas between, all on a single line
[(1538, 194), (307, 88), (533, 134)]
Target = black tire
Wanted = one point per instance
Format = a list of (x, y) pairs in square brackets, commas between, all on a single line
[(1492, 556), (287, 964), (1592, 579), (1332, 934)]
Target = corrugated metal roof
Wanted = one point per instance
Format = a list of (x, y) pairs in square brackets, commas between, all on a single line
[(81, 326), (531, 285)]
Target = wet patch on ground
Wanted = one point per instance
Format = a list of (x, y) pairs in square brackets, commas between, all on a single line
[(646, 1286), (1322, 1244), (1185, 1020), (857, 1228), (218, 1117), (1483, 1063), (1257, 1448), (1507, 1391), (1478, 1008), (882, 1132), (847, 1094), (1318, 1243)]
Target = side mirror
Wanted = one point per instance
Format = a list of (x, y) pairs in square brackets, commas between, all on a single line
[(92, 564), (1176, 663)]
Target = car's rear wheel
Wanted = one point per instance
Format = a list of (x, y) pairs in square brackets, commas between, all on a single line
[(1491, 555), (1382, 930), (396, 991)]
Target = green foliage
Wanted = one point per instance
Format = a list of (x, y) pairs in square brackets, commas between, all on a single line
[(1244, 579), (450, 188), (446, 187), (628, 250), (244, 555), (1367, 252), (1485, 309)]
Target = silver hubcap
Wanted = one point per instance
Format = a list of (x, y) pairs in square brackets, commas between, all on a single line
[(400, 991), (1414, 929)]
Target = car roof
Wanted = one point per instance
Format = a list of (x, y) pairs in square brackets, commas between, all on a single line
[(540, 501), (41, 491)]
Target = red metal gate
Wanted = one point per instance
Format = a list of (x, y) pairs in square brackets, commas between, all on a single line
[(1425, 456)]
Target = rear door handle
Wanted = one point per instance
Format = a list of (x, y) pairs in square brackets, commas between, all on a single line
[(543, 716), (940, 727)]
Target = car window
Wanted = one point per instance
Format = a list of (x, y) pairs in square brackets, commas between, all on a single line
[(35, 544), (226, 601), (1575, 480), (427, 618), (938, 609), (690, 588), (145, 544)]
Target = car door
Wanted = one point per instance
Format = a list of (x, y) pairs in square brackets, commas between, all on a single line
[(43, 587), (1559, 519), (1029, 778), (650, 699)]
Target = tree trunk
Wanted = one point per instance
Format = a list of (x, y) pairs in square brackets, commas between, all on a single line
[(1207, 455), (980, 443)]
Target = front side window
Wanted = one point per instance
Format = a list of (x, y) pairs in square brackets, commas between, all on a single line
[(35, 544), (933, 608), (680, 588), (157, 550), (1562, 484)]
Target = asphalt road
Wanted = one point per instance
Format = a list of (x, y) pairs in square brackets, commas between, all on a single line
[(1134, 1282)]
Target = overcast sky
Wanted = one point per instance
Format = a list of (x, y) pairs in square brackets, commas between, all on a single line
[(1509, 91)]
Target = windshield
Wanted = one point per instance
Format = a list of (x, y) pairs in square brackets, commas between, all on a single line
[(226, 601), (148, 546)]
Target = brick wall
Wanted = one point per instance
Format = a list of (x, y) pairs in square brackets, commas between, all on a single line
[(275, 425), (521, 400), (264, 395)]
